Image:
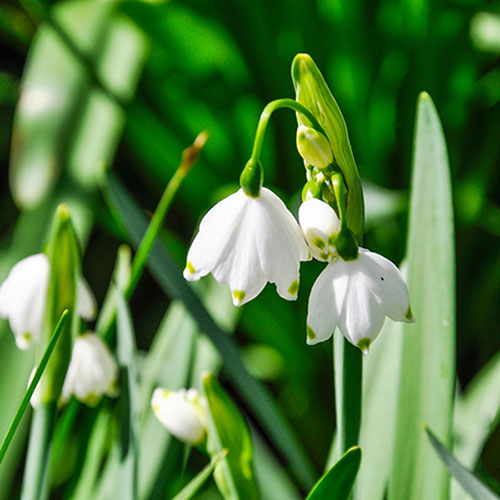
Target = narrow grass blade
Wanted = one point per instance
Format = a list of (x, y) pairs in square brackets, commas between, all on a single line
[(31, 388), (127, 475), (337, 483), (428, 356), (197, 482), (169, 277), (476, 489)]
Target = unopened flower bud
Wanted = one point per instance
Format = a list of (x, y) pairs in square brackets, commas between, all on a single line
[(183, 413), (314, 147), (320, 225)]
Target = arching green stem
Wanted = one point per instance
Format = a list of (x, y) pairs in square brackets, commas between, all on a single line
[(266, 115)]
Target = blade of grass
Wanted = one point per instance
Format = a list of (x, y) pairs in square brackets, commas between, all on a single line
[(476, 489), (197, 482), (337, 483), (427, 380), (126, 351), (31, 388), (169, 277)]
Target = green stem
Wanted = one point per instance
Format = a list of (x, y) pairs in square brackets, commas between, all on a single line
[(348, 374), (266, 115), (141, 256), (35, 484)]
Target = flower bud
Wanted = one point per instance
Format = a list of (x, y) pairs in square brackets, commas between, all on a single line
[(183, 413), (314, 147), (92, 372), (320, 225)]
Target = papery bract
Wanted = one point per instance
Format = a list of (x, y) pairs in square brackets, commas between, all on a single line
[(356, 296), (247, 241)]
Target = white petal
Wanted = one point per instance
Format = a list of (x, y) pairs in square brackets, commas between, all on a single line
[(87, 307), (92, 371), (180, 414), (387, 284), (215, 237), (319, 222), (362, 316), (325, 302), (23, 296)]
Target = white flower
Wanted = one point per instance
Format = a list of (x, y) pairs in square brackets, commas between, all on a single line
[(246, 242), (23, 296), (92, 371), (183, 413), (356, 296), (320, 225)]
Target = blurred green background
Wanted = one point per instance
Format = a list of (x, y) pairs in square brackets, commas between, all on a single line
[(87, 86)]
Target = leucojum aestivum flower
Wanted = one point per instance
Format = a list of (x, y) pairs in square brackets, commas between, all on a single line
[(251, 238)]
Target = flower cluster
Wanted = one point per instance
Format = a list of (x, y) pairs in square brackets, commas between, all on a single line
[(250, 238), (92, 371)]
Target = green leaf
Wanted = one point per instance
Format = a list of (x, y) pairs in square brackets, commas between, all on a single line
[(126, 485), (32, 386), (337, 483), (476, 489), (197, 482), (170, 279), (312, 91), (227, 429), (428, 355)]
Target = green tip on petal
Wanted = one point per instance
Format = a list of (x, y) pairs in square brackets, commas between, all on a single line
[(364, 344), (239, 296), (409, 315), (310, 333), (318, 242), (190, 268), (294, 288)]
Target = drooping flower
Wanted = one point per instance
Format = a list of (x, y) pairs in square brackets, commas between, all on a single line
[(246, 241), (183, 413), (320, 225), (92, 371), (23, 296), (356, 296)]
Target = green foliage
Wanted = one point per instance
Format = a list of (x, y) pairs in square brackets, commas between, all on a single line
[(428, 354), (338, 482), (228, 430)]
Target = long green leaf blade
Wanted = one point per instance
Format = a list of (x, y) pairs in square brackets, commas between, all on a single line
[(197, 482), (32, 386), (428, 354), (337, 483), (169, 277), (465, 477)]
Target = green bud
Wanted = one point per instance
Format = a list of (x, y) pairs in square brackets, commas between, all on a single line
[(314, 147), (313, 93), (251, 178), (311, 190), (64, 258), (346, 244)]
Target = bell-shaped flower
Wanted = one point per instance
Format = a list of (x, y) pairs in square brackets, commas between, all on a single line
[(320, 225), (183, 413), (23, 296), (247, 241), (92, 371), (356, 296)]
